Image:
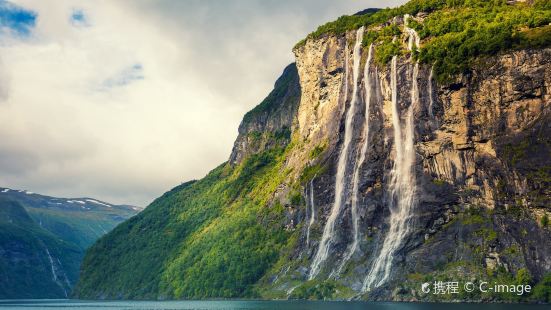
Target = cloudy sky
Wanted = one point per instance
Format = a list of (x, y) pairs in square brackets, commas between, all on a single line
[(123, 100)]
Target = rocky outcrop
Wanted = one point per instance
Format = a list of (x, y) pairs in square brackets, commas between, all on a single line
[(272, 120)]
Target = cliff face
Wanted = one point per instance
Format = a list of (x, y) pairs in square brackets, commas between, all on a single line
[(272, 121), (480, 170), (358, 178)]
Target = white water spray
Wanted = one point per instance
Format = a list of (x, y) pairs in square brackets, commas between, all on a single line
[(312, 212), (413, 37), (361, 160), (54, 275), (431, 99), (340, 180), (402, 181)]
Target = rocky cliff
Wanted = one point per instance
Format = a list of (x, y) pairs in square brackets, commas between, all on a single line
[(481, 169), (272, 120), (388, 162)]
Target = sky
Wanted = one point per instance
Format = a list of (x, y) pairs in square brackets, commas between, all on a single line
[(123, 100)]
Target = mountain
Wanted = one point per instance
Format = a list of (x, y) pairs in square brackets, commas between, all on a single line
[(43, 240), (405, 146)]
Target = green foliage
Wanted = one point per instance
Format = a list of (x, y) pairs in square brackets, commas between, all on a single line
[(346, 23), (315, 290), (535, 38), (310, 172), (455, 38), (212, 238), (543, 4), (523, 276), (456, 32), (473, 216), (542, 291), (296, 198), (27, 273), (544, 221), (385, 51), (386, 46), (317, 151), (283, 90)]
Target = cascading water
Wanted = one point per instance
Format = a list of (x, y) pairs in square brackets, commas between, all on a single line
[(340, 180), (356, 175), (53, 269), (413, 37), (312, 212), (402, 181), (431, 99)]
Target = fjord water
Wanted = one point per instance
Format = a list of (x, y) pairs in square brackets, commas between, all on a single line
[(262, 305)]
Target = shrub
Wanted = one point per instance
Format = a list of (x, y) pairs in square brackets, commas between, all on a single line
[(544, 220)]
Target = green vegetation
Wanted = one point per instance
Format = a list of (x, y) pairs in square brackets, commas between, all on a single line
[(456, 32), (27, 272), (317, 151), (212, 238), (32, 225), (455, 38), (439, 182), (544, 221), (310, 172), (542, 291), (285, 88), (474, 216), (215, 237), (315, 290)]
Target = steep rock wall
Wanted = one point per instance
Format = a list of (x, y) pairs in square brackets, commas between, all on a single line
[(482, 153)]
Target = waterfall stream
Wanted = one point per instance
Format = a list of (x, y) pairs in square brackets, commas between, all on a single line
[(54, 275), (312, 211), (431, 99), (340, 180), (402, 177), (359, 163)]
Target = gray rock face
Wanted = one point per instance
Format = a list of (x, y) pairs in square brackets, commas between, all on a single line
[(482, 172)]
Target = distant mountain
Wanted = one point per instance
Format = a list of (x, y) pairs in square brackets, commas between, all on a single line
[(43, 239)]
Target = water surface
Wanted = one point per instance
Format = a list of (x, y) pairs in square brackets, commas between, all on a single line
[(246, 305)]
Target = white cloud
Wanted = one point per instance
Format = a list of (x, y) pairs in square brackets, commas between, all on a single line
[(147, 95)]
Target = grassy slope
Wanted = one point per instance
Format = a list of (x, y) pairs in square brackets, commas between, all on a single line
[(210, 238)]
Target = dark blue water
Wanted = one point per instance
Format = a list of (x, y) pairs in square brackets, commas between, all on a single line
[(263, 305)]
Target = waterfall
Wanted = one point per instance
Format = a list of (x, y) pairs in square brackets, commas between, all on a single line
[(361, 160), (413, 36), (329, 229), (312, 211), (54, 275), (429, 86), (402, 177)]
